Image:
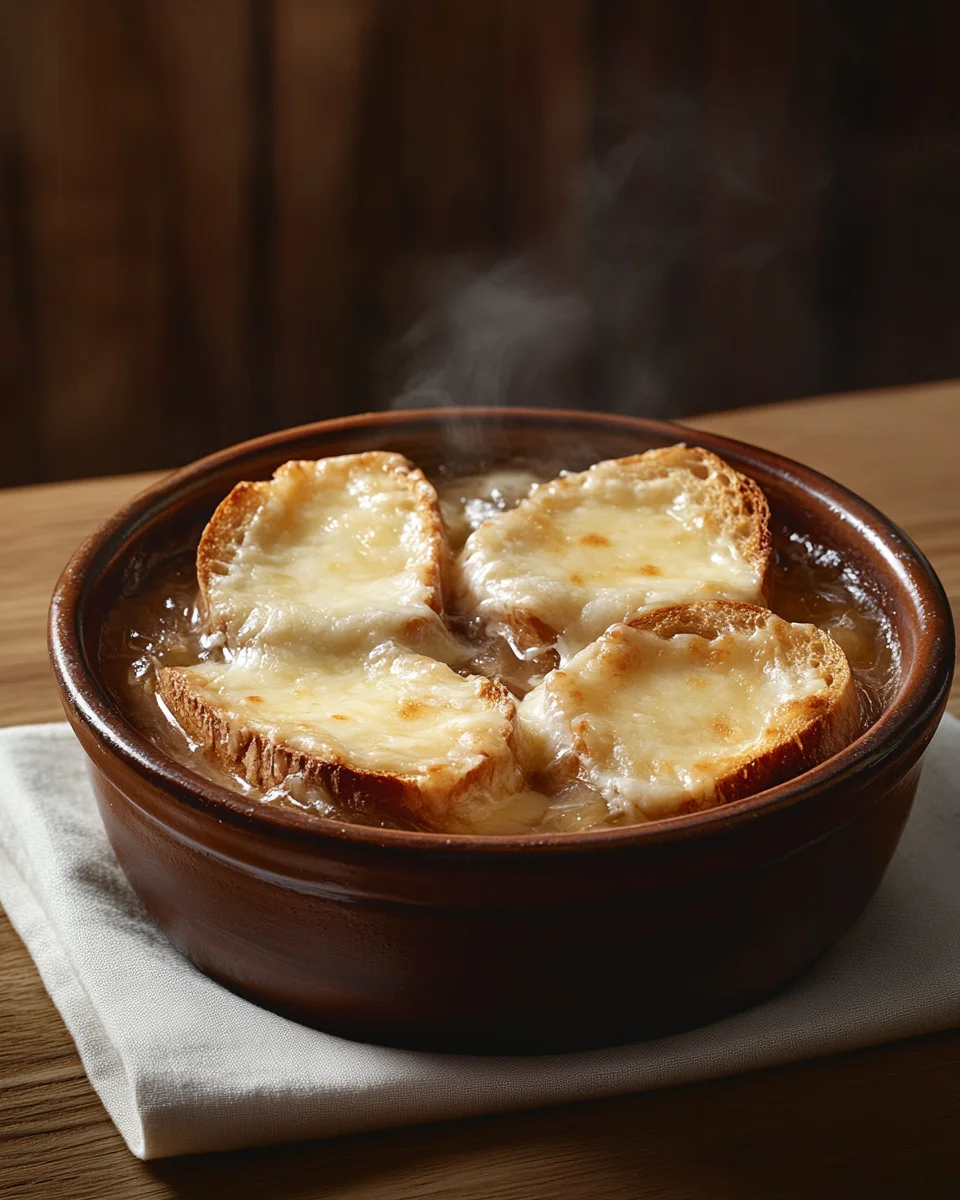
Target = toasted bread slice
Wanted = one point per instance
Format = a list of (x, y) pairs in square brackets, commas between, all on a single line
[(325, 552), (692, 706), (392, 729), (585, 551)]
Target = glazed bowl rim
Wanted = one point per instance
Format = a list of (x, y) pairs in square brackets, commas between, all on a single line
[(920, 691)]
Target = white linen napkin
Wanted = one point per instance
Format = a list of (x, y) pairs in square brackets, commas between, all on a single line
[(182, 1065)]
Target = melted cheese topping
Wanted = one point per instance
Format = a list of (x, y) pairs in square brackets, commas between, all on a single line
[(334, 552), (588, 550), (343, 555), (652, 722), (388, 713)]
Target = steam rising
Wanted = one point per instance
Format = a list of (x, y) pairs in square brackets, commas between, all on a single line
[(589, 321), (500, 338), (647, 295)]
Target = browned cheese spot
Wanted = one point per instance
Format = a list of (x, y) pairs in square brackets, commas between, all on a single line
[(594, 539), (650, 569), (577, 578), (254, 699), (722, 728), (624, 660), (339, 717), (409, 708)]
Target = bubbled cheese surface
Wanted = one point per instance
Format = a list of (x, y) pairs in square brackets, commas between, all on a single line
[(389, 712), (330, 555), (654, 722), (586, 551)]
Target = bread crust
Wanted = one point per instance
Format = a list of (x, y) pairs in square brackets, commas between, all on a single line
[(226, 529), (740, 503), (818, 726), (813, 728), (265, 762), (736, 502)]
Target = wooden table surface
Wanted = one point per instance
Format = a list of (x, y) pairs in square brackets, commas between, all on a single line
[(880, 1122)]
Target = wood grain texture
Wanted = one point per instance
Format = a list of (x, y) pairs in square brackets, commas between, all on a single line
[(880, 1122), (222, 217), (764, 205), (39, 529), (123, 327), (321, 47)]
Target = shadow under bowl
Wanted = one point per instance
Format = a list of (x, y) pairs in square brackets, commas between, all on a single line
[(503, 944)]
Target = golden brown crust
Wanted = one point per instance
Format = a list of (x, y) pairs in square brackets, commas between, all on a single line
[(220, 540), (734, 500), (815, 728), (740, 503), (264, 763), (227, 527), (707, 619), (799, 733)]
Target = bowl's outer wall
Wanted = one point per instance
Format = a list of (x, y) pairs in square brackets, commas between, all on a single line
[(589, 943), (526, 975)]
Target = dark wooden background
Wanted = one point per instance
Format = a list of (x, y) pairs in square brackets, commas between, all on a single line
[(226, 216)]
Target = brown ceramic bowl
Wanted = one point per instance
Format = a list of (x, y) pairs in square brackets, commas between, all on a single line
[(510, 943)]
